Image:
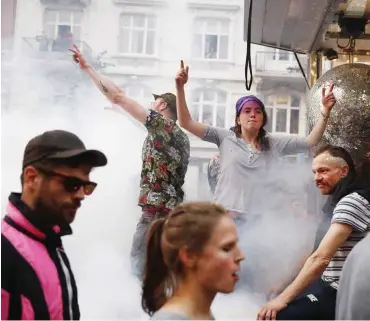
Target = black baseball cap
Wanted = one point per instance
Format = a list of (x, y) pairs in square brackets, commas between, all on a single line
[(60, 145)]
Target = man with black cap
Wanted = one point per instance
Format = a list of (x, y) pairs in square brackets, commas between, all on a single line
[(165, 155), (37, 282)]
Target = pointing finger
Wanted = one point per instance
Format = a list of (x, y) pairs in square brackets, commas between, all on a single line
[(182, 64), (323, 91), (331, 88)]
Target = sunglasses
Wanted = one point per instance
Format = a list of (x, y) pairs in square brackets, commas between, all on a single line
[(70, 183)]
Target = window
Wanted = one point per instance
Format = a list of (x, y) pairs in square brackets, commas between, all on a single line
[(209, 106), (283, 114), (137, 34), (140, 93), (63, 23), (282, 55), (211, 39)]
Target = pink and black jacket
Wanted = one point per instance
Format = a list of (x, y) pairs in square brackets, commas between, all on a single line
[(37, 282)]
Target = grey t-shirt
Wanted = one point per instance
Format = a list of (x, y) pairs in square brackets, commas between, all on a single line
[(243, 177), (168, 315), (353, 301)]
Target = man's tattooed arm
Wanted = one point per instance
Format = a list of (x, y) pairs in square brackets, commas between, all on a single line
[(117, 97)]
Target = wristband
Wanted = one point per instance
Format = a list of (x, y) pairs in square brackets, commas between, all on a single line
[(323, 115)]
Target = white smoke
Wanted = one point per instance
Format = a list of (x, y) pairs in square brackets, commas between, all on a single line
[(99, 248)]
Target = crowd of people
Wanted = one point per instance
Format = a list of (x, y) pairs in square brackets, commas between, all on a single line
[(185, 253)]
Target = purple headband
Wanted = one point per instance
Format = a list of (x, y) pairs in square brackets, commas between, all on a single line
[(241, 101)]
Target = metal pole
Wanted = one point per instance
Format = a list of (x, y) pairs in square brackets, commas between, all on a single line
[(315, 71), (315, 67)]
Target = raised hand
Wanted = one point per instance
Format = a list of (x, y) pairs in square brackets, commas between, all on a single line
[(78, 58), (182, 75), (328, 100)]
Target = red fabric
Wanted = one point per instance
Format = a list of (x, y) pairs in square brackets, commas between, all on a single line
[(27, 309), (5, 298), (36, 254)]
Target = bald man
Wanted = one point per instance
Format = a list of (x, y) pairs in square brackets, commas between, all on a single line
[(312, 295)]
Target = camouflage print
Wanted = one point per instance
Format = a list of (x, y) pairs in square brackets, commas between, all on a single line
[(165, 159), (213, 172)]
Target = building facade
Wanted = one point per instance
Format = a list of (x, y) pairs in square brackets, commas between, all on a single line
[(8, 17), (140, 44)]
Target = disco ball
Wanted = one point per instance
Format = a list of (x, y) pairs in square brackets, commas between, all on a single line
[(349, 122)]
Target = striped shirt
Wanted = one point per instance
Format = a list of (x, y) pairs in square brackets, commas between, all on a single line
[(353, 210)]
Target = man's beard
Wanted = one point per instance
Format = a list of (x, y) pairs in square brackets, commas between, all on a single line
[(329, 190), (48, 214)]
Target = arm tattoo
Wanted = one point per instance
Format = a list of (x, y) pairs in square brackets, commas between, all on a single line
[(105, 89)]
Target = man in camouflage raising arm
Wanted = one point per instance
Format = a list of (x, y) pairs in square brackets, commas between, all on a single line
[(165, 155)]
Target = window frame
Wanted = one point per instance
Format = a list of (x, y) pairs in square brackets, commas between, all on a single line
[(216, 104), (57, 23), (204, 20), (288, 107), (131, 28), (279, 52)]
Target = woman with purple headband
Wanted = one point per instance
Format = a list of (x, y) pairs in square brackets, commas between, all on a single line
[(244, 184), (247, 149)]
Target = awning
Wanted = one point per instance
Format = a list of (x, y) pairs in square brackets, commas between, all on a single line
[(305, 26)]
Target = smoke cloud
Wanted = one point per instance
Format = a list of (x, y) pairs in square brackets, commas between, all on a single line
[(99, 248)]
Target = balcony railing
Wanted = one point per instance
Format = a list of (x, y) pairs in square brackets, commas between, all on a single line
[(279, 63), (229, 5), (43, 48), (149, 3), (80, 3)]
